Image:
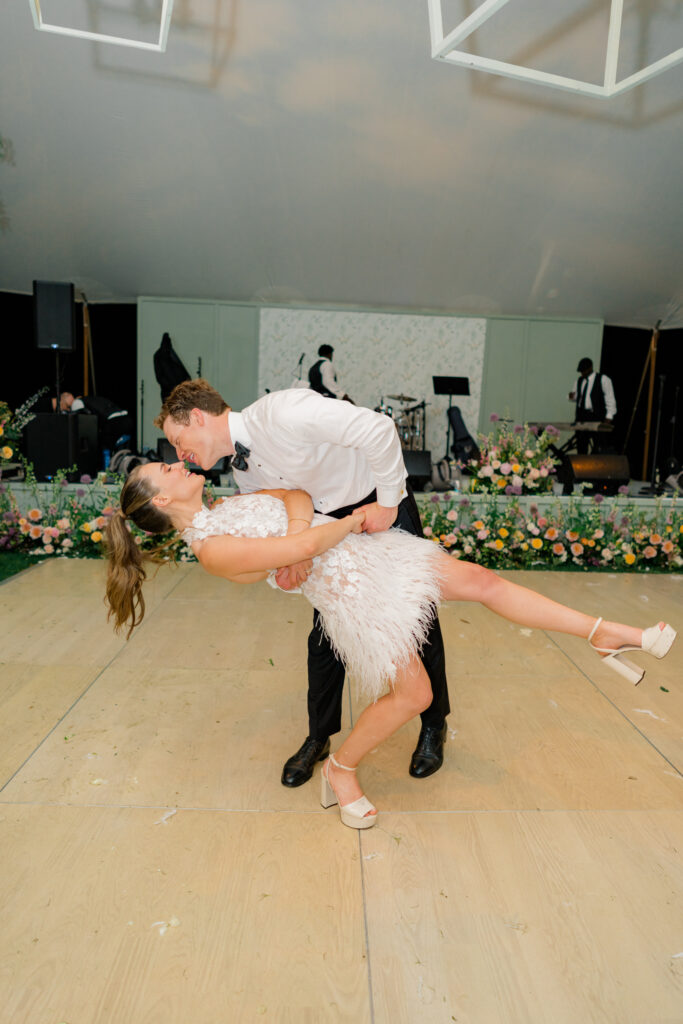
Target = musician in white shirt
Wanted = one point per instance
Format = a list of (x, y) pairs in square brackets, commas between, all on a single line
[(595, 401), (345, 457)]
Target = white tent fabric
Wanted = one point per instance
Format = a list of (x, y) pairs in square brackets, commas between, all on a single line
[(293, 150)]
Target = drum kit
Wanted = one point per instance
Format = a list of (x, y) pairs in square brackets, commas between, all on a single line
[(410, 421)]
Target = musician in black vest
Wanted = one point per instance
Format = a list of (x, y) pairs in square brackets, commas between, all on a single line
[(595, 402), (323, 378)]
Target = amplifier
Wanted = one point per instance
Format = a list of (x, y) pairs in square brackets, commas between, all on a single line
[(419, 466), (54, 441), (606, 472)]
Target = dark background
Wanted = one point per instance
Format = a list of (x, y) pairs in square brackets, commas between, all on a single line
[(114, 343), (113, 329), (624, 352)]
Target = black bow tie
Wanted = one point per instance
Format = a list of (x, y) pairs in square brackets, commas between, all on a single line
[(239, 459)]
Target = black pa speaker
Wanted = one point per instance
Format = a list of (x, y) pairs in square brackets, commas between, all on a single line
[(419, 466), (54, 315), (607, 473), (55, 441)]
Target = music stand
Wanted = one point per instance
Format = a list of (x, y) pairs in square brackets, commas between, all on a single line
[(450, 386)]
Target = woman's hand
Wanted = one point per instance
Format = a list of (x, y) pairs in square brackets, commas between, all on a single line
[(357, 519)]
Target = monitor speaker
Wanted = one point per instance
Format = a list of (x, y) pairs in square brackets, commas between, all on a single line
[(605, 472), (54, 441), (54, 315), (419, 466)]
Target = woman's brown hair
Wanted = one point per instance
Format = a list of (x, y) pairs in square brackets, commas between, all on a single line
[(126, 571)]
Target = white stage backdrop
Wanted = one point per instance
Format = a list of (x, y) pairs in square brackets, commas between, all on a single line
[(377, 355)]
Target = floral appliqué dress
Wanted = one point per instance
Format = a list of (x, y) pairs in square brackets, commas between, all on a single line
[(376, 592)]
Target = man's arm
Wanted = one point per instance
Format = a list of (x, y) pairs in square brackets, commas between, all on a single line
[(610, 400)]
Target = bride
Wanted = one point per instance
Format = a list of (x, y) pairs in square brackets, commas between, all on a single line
[(375, 593)]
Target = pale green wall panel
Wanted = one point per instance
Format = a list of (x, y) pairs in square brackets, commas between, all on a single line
[(237, 354), (218, 340), (554, 348), (530, 365), (504, 372)]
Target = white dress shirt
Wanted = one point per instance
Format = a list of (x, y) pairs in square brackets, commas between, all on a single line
[(329, 378), (335, 451), (607, 390)]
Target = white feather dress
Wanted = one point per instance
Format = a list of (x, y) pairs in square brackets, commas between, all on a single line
[(376, 593)]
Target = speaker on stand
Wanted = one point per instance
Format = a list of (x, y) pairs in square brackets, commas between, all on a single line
[(419, 466), (54, 320)]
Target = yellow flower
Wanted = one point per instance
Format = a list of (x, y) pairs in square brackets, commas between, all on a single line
[(503, 532), (516, 467), (629, 558), (502, 482), (498, 544), (96, 536), (87, 528), (537, 543), (525, 547), (2, 430), (7, 452)]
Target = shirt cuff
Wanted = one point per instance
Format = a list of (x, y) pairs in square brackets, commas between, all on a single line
[(390, 497)]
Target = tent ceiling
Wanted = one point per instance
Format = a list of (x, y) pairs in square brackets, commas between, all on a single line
[(296, 150)]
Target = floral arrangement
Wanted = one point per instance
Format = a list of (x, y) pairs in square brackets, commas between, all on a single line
[(73, 524), (12, 425), (579, 534), (597, 533), (514, 460)]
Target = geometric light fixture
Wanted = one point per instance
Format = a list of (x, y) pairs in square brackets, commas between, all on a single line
[(158, 47), (444, 49)]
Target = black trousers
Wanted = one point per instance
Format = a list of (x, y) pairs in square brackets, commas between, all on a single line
[(326, 672)]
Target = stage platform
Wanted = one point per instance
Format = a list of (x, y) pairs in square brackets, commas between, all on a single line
[(154, 868)]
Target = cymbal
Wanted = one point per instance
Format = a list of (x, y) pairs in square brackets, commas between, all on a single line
[(402, 398)]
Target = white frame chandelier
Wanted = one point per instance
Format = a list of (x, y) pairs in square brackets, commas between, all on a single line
[(444, 49), (99, 37)]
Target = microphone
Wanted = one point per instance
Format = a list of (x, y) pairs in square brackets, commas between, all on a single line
[(301, 359)]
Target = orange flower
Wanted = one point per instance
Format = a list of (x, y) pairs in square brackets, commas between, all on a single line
[(537, 543), (503, 532), (35, 532), (577, 549), (629, 558), (551, 533), (498, 544), (571, 535), (558, 549), (35, 514), (655, 538), (478, 525), (650, 552), (667, 547), (96, 536)]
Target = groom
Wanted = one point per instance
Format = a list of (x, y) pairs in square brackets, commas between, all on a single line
[(345, 457)]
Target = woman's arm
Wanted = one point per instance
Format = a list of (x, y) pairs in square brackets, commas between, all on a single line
[(233, 557), (298, 505)]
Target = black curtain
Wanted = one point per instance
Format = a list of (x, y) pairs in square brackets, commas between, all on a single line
[(624, 352), (114, 337)]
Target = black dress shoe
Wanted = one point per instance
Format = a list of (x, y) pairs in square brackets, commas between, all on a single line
[(299, 768), (428, 755)]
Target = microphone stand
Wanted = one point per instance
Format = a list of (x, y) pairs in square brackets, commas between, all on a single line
[(655, 486)]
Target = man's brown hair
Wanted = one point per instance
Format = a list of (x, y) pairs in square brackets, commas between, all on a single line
[(189, 395)]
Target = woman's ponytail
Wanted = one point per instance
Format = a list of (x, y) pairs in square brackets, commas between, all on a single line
[(126, 571)]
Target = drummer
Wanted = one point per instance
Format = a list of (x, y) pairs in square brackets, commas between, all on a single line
[(322, 376)]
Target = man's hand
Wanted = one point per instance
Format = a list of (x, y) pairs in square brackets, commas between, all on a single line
[(291, 576), (378, 517)]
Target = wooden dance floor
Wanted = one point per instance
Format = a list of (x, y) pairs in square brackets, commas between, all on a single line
[(154, 869)]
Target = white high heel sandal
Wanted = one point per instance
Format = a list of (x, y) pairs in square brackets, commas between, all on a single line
[(655, 641), (353, 814)]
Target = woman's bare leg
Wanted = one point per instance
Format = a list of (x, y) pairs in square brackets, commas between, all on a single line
[(410, 695), (463, 581)]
